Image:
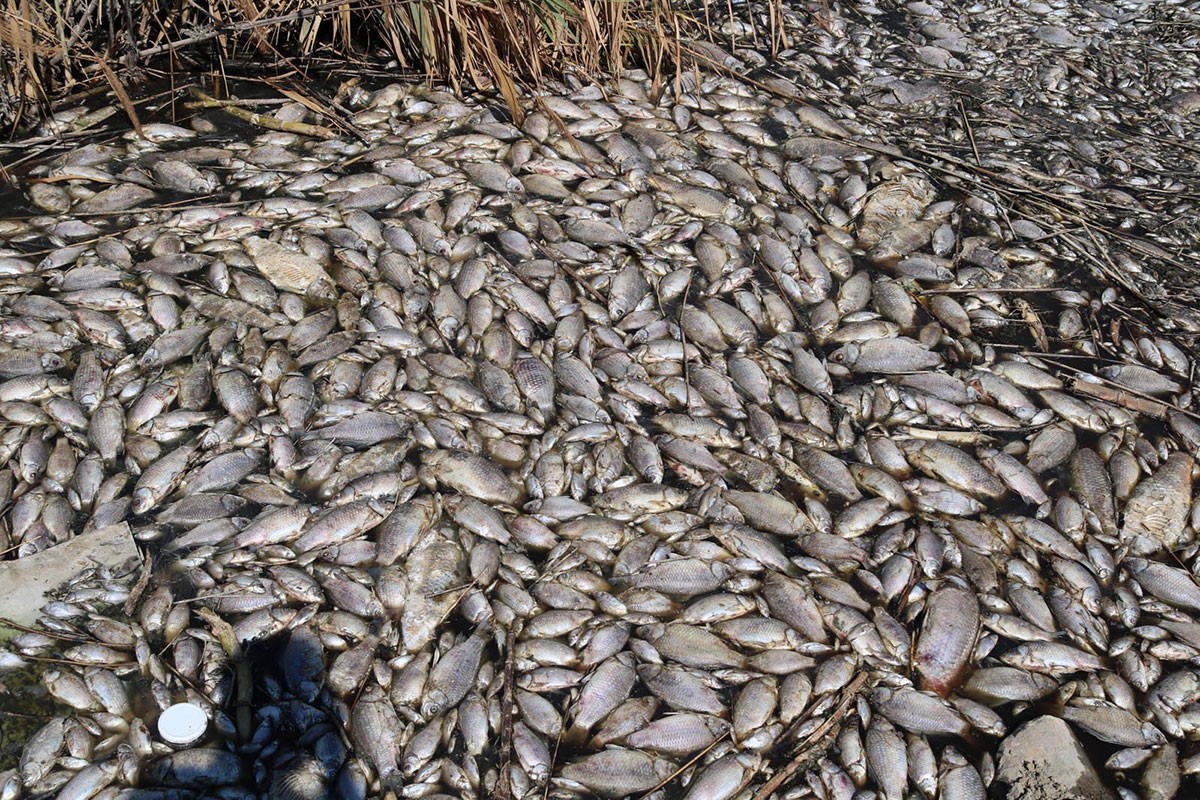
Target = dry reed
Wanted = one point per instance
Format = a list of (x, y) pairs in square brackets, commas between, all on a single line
[(49, 48)]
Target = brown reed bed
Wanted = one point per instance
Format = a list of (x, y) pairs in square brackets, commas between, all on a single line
[(53, 48)]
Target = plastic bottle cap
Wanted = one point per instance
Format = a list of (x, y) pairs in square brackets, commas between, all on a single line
[(183, 724)]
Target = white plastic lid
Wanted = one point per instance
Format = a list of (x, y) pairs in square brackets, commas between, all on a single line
[(183, 724)]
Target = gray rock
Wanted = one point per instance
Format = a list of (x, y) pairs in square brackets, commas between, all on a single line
[(29, 581), (1043, 760)]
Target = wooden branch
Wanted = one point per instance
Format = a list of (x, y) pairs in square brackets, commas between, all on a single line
[(507, 701), (812, 743), (270, 123)]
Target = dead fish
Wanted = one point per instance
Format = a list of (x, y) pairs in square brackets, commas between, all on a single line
[(287, 269)]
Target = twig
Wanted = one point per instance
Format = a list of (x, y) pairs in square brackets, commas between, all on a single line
[(687, 764), (812, 741), (997, 290), (465, 591), (12, 547), (504, 783), (264, 101), (122, 95), (270, 123), (50, 660), (77, 30), (131, 57), (19, 715), (553, 761), (462, 587), (16, 626), (1115, 393), (565, 131), (962, 109), (310, 101), (1126, 398)]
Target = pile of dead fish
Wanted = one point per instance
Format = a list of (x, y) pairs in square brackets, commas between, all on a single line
[(1089, 108), (615, 453)]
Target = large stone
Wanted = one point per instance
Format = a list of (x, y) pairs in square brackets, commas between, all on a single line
[(1043, 760), (28, 581)]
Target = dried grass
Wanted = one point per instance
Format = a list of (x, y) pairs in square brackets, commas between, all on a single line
[(49, 47)]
